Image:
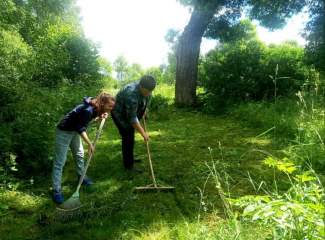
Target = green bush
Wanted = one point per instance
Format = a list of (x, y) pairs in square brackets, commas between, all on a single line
[(241, 71), (158, 107), (27, 130), (158, 102)]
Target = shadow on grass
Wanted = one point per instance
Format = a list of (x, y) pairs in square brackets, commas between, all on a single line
[(114, 210)]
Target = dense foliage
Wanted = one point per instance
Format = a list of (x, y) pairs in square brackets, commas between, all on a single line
[(240, 70), (45, 64), (315, 35)]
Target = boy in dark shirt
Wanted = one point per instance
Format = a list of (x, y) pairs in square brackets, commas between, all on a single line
[(68, 132), (131, 104)]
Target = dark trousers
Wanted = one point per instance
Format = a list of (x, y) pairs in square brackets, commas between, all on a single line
[(127, 143)]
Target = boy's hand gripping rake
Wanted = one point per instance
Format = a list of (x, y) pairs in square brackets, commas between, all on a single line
[(72, 207), (153, 186)]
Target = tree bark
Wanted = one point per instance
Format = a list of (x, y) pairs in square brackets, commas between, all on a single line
[(187, 55)]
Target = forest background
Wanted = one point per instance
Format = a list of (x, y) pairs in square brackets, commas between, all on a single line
[(47, 66)]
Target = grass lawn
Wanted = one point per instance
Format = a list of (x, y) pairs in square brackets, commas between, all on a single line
[(182, 146)]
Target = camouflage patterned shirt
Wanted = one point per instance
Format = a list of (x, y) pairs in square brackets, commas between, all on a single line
[(130, 104)]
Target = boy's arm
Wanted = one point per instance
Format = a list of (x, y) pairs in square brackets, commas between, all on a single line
[(138, 127)]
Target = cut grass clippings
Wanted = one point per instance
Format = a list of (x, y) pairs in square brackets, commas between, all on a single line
[(112, 209)]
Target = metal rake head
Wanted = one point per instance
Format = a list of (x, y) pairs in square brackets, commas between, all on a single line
[(65, 216), (69, 210)]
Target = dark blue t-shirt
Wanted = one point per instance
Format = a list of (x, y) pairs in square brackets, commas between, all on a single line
[(78, 119)]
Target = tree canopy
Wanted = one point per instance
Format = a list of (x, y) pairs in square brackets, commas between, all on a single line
[(218, 19)]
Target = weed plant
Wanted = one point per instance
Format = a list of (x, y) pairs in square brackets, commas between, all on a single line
[(296, 214)]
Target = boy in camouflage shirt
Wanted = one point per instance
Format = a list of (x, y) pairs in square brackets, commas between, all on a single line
[(130, 106)]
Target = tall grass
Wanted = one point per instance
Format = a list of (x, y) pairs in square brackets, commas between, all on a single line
[(298, 212)]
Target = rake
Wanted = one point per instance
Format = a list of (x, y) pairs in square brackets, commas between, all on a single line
[(153, 186), (71, 208)]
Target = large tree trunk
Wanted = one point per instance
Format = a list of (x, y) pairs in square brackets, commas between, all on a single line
[(188, 55)]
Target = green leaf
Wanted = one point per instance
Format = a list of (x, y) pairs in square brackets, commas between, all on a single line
[(305, 177), (12, 157), (265, 132), (315, 207), (256, 216), (266, 214), (283, 208), (5, 207), (249, 209), (291, 169)]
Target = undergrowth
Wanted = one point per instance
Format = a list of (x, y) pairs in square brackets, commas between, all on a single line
[(235, 178)]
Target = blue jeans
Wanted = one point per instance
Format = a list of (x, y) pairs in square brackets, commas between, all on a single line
[(64, 140)]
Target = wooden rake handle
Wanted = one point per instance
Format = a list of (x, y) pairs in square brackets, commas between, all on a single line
[(148, 152), (89, 158)]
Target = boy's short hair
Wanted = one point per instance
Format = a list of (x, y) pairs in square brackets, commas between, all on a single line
[(148, 82)]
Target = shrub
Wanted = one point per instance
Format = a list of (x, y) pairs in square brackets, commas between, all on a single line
[(158, 102), (241, 71)]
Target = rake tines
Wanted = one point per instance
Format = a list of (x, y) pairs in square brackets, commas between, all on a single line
[(70, 209)]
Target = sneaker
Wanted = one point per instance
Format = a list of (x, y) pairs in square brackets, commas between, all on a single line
[(137, 170), (57, 196), (137, 160), (86, 181)]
